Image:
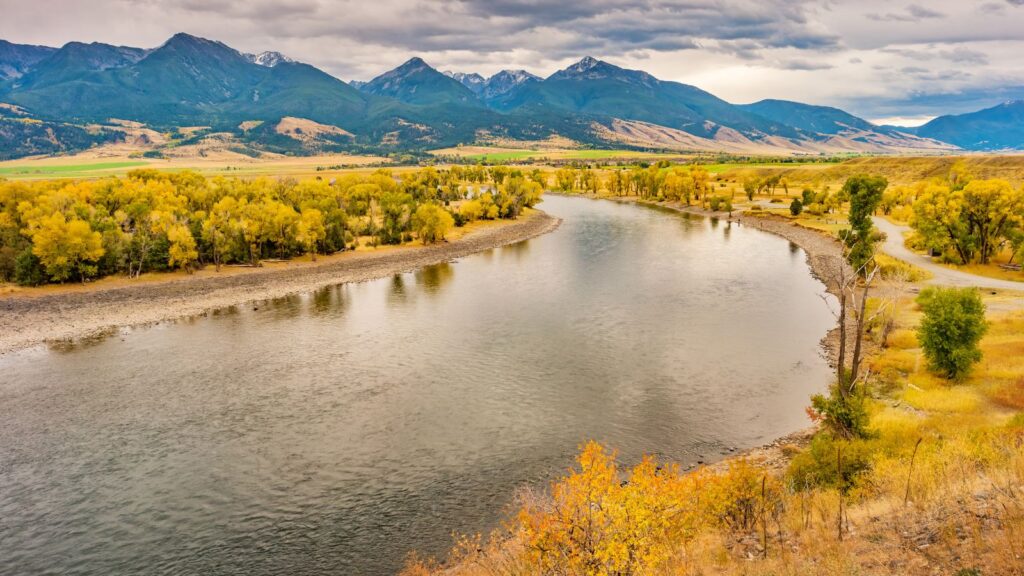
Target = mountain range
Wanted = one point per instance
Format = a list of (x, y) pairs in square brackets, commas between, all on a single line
[(63, 99)]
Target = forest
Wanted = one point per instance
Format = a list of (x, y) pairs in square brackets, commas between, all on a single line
[(147, 221)]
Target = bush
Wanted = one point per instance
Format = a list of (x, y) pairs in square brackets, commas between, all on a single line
[(845, 416), (818, 465), (953, 324), (796, 207), (28, 269)]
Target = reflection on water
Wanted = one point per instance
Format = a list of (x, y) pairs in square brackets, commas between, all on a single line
[(334, 431), (434, 277)]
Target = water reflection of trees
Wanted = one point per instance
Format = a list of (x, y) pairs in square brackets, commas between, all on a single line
[(517, 251), (398, 293), (432, 278), (329, 299)]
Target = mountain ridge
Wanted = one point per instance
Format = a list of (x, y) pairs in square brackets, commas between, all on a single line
[(189, 81)]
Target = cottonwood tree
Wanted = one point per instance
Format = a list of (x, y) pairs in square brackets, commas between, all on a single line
[(310, 230), (432, 223), (852, 279), (973, 220), (66, 246)]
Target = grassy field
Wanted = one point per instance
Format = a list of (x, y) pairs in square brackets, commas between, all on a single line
[(41, 170), (50, 168)]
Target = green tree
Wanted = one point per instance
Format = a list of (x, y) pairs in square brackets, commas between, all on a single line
[(953, 324), (864, 192)]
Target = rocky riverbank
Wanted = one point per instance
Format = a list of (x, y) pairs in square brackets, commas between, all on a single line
[(30, 319)]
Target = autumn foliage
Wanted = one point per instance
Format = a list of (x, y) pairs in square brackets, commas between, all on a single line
[(148, 221)]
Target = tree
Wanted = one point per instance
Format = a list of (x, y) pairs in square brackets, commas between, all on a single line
[(953, 324), (182, 251), (972, 219), (471, 210), (396, 211), (991, 208), (750, 187), (864, 192), (432, 223), (310, 229), (66, 246), (796, 207), (220, 225)]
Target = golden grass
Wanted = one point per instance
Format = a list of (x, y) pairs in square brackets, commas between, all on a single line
[(890, 267)]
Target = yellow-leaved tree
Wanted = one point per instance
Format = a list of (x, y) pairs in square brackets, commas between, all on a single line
[(431, 223), (66, 246), (310, 229)]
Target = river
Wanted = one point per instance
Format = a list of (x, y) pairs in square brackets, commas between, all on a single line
[(335, 431)]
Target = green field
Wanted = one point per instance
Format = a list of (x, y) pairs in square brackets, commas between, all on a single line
[(515, 155), (65, 170)]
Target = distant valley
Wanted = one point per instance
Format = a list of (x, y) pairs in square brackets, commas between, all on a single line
[(192, 95)]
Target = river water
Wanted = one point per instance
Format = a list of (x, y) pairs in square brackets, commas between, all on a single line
[(333, 432)]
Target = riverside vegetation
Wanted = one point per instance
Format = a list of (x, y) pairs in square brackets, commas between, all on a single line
[(963, 219), (917, 465), (55, 231)]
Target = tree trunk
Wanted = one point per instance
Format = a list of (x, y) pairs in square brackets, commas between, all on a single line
[(862, 313), (841, 363)]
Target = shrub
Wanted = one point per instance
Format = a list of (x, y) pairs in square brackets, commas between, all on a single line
[(818, 465), (953, 324), (601, 520), (796, 207), (28, 269), (845, 416)]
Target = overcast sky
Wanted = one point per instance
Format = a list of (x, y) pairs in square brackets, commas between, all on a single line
[(885, 60)]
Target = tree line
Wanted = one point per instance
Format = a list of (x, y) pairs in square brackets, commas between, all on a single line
[(55, 231)]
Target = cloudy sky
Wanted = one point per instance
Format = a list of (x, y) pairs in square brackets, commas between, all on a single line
[(889, 60)]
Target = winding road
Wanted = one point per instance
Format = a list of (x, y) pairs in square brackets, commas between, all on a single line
[(895, 247)]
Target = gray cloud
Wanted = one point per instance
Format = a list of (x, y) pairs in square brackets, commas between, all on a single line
[(913, 13), (740, 49), (798, 64)]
